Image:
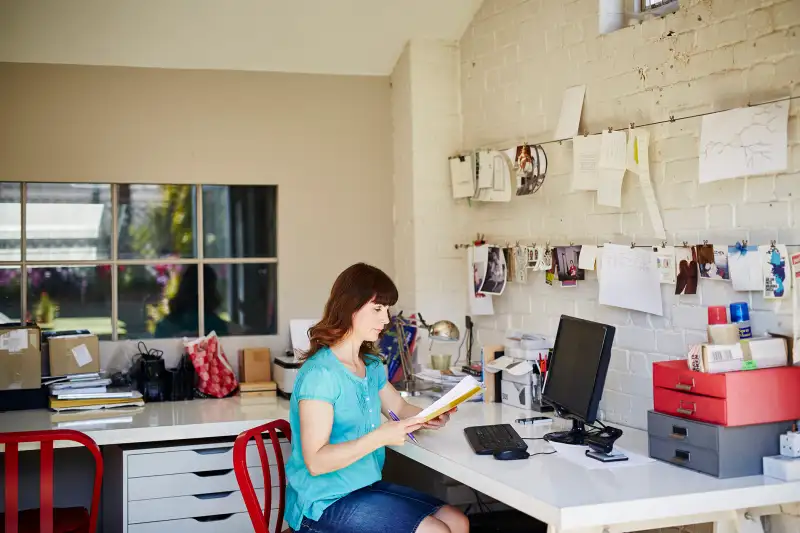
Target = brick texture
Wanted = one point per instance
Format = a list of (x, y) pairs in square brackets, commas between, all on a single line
[(517, 57)]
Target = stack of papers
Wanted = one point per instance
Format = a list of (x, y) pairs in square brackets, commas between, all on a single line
[(462, 392)]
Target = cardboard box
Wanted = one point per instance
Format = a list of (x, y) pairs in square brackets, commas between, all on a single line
[(748, 354), (254, 365), (74, 354), (20, 358)]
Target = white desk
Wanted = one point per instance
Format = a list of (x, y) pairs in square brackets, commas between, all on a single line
[(569, 498)]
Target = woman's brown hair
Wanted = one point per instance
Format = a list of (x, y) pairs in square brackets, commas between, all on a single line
[(356, 286)]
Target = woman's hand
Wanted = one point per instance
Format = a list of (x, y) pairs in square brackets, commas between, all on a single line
[(395, 433), (440, 421)]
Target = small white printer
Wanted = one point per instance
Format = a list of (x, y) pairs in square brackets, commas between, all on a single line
[(286, 366)]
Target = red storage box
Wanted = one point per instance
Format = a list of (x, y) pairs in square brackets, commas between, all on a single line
[(730, 399)]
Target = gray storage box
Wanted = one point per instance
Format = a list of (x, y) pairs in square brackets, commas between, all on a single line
[(720, 451)]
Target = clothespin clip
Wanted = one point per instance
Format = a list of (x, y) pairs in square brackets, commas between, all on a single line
[(663, 244), (685, 244), (771, 245), (571, 243), (633, 125), (585, 133), (744, 243), (610, 129), (672, 118), (633, 245), (705, 243)]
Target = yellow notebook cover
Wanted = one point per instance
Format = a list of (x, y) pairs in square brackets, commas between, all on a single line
[(466, 389)]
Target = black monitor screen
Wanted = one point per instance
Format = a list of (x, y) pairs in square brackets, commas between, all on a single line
[(578, 366)]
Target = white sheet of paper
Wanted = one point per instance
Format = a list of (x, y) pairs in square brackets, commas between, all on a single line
[(501, 363), (463, 182), (651, 204), (571, 108), (81, 355), (744, 142), (588, 257), (298, 333), (609, 189), (630, 279), (477, 258), (745, 270), (585, 158), (638, 151), (665, 262), (613, 150), (577, 455), (17, 340), (464, 386)]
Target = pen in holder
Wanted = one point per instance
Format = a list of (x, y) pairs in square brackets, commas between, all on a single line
[(536, 392)]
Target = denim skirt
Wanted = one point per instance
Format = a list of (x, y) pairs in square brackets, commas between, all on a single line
[(378, 508)]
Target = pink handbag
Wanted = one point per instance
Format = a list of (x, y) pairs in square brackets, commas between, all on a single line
[(215, 377)]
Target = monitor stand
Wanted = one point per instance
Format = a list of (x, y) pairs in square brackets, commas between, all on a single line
[(577, 435)]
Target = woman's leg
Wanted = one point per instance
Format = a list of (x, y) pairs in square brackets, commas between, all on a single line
[(447, 519)]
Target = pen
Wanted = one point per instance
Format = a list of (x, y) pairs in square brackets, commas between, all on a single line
[(394, 417)]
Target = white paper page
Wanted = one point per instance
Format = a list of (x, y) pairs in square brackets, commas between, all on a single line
[(464, 386), (585, 157), (298, 333), (613, 150), (577, 455), (501, 363), (477, 260), (609, 188), (744, 142), (461, 177), (571, 108), (17, 340), (630, 279), (588, 257), (665, 262), (638, 151), (81, 355), (745, 269)]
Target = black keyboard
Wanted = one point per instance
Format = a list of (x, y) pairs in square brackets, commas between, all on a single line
[(486, 440)]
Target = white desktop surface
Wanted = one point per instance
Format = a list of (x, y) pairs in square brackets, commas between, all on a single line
[(550, 488), (570, 497), (159, 421)]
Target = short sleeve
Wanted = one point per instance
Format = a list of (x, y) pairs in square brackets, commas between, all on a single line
[(318, 383), (378, 370)]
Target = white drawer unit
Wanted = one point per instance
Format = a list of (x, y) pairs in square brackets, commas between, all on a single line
[(189, 487)]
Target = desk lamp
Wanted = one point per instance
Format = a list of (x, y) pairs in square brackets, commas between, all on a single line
[(441, 331)]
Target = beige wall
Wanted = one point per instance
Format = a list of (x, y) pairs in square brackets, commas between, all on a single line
[(326, 141)]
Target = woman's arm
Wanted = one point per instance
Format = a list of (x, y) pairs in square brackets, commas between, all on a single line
[(392, 401), (320, 456)]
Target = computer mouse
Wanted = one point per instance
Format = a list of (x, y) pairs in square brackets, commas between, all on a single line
[(511, 455)]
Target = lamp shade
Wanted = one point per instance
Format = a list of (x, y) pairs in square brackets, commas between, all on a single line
[(444, 330)]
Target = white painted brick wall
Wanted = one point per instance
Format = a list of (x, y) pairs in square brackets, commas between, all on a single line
[(518, 56)]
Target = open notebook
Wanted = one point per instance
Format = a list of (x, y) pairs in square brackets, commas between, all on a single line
[(466, 389)]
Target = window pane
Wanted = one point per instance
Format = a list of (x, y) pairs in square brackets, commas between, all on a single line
[(67, 298), (239, 220), (156, 221), (245, 302), (10, 296), (145, 293), (68, 221), (10, 221)]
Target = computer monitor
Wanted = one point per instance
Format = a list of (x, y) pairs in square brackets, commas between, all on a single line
[(576, 374)]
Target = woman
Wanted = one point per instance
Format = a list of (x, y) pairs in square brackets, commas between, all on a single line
[(338, 440)]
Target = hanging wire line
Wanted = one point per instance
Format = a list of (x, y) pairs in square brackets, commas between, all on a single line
[(672, 118)]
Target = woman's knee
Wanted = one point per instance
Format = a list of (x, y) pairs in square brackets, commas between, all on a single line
[(432, 525), (456, 521)]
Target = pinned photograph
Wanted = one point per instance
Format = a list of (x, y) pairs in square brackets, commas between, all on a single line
[(567, 258), (496, 272)]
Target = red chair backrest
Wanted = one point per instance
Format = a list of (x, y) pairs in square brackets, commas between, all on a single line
[(45, 439), (260, 517)]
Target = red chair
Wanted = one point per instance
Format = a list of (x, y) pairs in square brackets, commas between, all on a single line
[(260, 517), (46, 519)]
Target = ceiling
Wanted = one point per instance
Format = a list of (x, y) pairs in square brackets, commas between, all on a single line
[(312, 36)]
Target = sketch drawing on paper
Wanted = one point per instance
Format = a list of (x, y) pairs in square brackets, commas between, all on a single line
[(744, 142)]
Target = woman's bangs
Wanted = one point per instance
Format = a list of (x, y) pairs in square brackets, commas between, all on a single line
[(385, 292)]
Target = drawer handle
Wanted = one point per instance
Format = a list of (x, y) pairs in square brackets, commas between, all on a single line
[(213, 473), (682, 456), (679, 432), (213, 495), (213, 451), (684, 411), (213, 518), (684, 386)]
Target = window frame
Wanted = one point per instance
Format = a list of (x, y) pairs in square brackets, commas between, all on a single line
[(661, 7), (115, 262)]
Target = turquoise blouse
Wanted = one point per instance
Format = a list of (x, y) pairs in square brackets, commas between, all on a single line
[(356, 412)]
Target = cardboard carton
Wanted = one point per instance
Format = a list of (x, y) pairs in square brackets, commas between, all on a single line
[(20, 357), (74, 354)]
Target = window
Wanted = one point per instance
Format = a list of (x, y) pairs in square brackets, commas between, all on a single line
[(658, 7), (135, 261)]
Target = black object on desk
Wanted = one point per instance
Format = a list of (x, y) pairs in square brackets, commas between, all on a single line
[(486, 440)]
